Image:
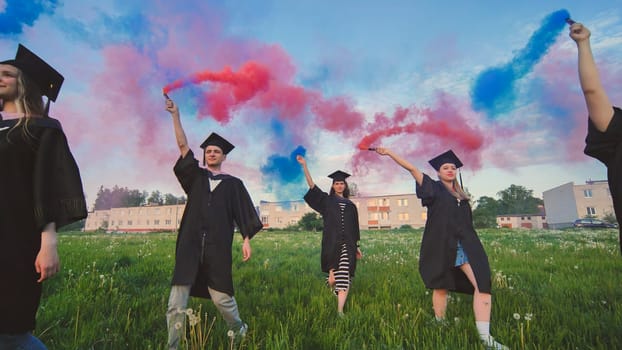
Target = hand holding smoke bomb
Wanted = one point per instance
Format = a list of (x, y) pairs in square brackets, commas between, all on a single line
[(165, 94)]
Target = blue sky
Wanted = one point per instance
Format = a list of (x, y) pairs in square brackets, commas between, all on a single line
[(337, 72)]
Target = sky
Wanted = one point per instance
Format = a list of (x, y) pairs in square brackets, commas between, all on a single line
[(494, 81)]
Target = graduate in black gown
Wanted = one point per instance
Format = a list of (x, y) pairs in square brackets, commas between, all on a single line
[(604, 125), (452, 257), (217, 203), (40, 191), (340, 235)]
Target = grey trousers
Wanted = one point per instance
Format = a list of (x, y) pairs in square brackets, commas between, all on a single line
[(176, 312)]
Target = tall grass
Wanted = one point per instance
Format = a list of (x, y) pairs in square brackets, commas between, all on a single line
[(551, 290)]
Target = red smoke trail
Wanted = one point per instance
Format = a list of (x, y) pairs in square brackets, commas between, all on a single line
[(436, 130), (234, 89)]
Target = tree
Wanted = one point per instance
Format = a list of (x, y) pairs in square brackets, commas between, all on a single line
[(610, 218), (517, 200), (311, 222), (118, 197), (155, 198), (485, 212), (354, 189)]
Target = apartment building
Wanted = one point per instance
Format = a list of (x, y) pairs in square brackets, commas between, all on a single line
[(375, 212), (136, 219), (568, 202)]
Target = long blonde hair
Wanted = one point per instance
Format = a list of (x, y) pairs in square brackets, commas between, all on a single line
[(457, 191), (28, 102)]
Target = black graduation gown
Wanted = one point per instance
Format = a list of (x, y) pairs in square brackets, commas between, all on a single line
[(448, 222), (203, 251), (39, 183), (332, 234), (607, 147)]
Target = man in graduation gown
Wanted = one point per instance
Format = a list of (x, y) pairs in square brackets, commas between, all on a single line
[(604, 133), (40, 191), (217, 202)]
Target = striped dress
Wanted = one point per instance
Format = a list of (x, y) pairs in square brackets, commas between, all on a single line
[(342, 274)]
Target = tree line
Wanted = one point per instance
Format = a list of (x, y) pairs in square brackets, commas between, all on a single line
[(121, 197), (513, 200)]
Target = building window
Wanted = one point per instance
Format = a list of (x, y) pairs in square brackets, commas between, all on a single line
[(384, 202), (371, 203), (111, 222), (529, 218), (147, 222), (129, 222), (372, 216), (295, 207), (587, 193), (156, 222), (264, 219), (167, 222), (403, 216), (591, 211), (385, 215)]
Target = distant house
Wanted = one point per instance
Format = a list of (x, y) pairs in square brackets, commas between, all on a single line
[(568, 202), (526, 221)]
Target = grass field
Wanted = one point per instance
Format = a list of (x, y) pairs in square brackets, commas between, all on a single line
[(551, 290)]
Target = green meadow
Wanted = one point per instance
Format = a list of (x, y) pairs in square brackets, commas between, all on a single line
[(551, 290)]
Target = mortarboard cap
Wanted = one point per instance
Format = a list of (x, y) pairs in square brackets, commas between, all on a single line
[(216, 140), (447, 157), (37, 70), (339, 176)]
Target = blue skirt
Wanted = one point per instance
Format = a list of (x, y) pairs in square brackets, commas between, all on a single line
[(461, 257)]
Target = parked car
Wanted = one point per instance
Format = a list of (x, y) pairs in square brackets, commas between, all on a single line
[(593, 223)]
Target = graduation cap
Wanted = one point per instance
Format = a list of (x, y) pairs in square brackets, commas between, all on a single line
[(339, 176), (447, 157), (216, 140), (38, 71)]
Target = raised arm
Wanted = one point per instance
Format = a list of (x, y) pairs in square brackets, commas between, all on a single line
[(180, 135), (599, 107), (418, 175), (303, 162)]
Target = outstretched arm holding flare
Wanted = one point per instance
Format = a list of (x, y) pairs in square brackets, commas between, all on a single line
[(180, 135), (414, 171), (303, 162), (599, 107)]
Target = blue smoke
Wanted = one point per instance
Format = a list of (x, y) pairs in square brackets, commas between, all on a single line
[(18, 13), (283, 175), (494, 89)]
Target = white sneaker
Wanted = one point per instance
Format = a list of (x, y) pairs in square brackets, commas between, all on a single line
[(491, 344)]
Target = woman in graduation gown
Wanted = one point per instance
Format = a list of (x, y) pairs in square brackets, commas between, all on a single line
[(604, 130), (452, 257), (340, 235), (40, 191)]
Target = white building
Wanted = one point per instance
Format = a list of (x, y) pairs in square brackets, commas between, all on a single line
[(568, 202)]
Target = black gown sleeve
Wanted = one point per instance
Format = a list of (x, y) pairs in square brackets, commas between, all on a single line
[(316, 198), (426, 191), (58, 193), (244, 212), (187, 170), (603, 145)]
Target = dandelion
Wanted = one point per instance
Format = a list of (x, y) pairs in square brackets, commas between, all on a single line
[(576, 267), (178, 325), (189, 312), (516, 316), (102, 277), (604, 302), (528, 317), (456, 320), (230, 334)]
